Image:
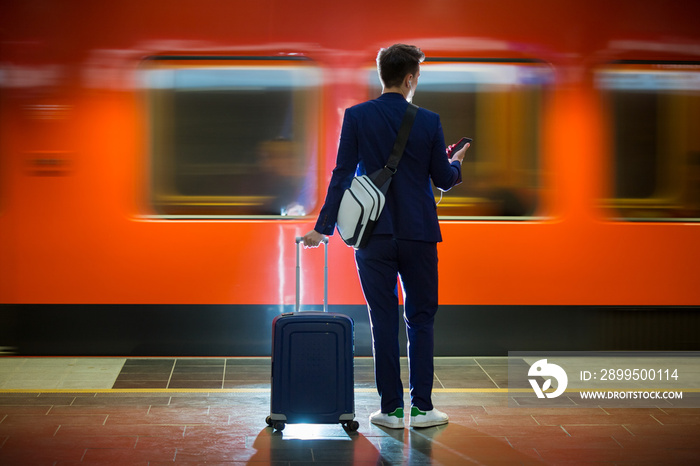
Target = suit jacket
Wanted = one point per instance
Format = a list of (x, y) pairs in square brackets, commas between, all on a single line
[(367, 137)]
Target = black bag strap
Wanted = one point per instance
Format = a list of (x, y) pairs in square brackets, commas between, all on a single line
[(382, 176)]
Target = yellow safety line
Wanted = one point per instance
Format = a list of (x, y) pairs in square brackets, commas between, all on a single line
[(225, 390), (357, 390)]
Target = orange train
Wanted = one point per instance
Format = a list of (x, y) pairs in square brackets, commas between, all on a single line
[(157, 160)]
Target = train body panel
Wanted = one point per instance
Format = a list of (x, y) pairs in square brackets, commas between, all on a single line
[(77, 225)]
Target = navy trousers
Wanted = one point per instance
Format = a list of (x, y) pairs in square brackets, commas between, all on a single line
[(416, 264)]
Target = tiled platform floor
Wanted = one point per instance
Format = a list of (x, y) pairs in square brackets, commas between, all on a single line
[(212, 411)]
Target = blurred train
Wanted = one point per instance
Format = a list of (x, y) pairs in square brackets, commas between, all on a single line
[(158, 158)]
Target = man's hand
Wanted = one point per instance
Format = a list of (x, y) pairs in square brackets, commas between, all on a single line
[(312, 239), (459, 155)]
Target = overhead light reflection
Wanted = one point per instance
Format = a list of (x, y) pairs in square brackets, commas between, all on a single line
[(314, 432)]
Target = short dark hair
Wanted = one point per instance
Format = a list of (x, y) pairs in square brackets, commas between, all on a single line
[(395, 62)]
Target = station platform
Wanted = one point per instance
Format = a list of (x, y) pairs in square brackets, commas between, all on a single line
[(153, 411)]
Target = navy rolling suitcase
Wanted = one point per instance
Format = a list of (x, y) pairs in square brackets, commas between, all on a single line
[(312, 364)]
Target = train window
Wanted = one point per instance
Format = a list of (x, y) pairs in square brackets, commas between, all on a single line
[(655, 115), (232, 136), (499, 105)]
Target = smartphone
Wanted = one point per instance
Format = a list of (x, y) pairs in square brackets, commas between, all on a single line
[(461, 143)]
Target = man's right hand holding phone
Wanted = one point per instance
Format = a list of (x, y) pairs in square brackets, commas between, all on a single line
[(459, 150)]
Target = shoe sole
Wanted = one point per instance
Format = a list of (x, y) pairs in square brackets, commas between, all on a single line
[(429, 423), (390, 426)]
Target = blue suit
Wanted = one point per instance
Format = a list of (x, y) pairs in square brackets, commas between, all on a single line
[(368, 134), (404, 241)]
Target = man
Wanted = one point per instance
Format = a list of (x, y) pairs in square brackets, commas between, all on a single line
[(404, 241)]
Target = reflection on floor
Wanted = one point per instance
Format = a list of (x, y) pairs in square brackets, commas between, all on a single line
[(67, 411)]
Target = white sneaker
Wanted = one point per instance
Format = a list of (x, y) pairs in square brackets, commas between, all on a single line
[(391, 420), (427, 418)]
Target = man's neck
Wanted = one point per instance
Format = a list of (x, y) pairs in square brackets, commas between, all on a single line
[(395, 90)]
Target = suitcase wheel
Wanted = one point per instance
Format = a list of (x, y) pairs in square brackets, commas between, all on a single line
[(352, 426), (278, 425)]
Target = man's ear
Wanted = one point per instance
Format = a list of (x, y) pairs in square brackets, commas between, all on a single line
[(408, 80)]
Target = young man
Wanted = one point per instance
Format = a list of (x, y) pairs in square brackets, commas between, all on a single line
[(404, 241)]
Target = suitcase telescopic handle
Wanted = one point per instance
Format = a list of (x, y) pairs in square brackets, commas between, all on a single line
[(299, 239)]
